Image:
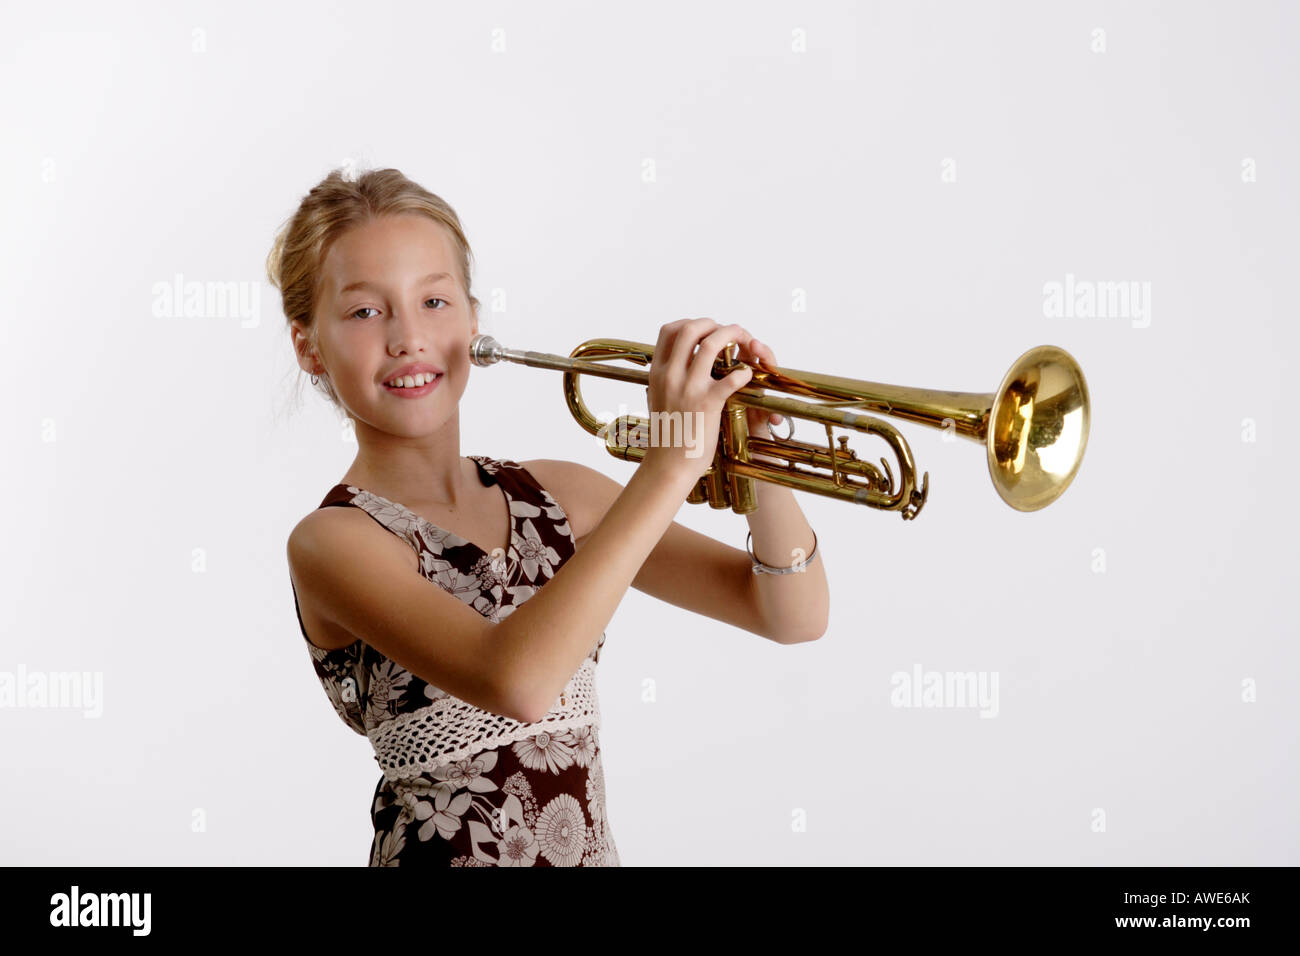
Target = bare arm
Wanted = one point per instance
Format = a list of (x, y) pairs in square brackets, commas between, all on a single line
[(542, 642), (798, 604), (698, 573), (361, 578), (708, 577), (794, 605)]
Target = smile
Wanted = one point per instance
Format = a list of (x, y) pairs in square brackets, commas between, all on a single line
[(421, 384)]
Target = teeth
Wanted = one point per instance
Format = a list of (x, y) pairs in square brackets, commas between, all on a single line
[(413, 381)]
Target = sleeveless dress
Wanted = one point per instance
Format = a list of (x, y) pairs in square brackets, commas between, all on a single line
[(463, 786)]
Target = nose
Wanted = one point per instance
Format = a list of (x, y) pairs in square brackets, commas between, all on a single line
[(406, 334)]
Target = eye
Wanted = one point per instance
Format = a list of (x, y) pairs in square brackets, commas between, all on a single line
[(366, 308)]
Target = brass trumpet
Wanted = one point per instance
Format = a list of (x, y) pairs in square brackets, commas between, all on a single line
[(1034, 427)]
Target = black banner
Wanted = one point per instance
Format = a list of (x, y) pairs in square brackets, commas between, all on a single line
[(1152, 906)]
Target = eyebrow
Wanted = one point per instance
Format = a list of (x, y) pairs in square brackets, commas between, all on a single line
[(363, 284)]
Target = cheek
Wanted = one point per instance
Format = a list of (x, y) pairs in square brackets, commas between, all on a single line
[(460, 370)]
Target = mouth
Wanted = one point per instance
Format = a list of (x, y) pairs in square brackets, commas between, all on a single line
[(413, 386)]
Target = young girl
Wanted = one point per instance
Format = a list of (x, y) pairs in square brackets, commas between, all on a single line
[(478, 695)]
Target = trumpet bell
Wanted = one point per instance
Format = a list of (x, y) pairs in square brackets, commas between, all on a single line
[(1038, 428)]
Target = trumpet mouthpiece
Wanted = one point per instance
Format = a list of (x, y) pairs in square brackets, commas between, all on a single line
[(484, 350)]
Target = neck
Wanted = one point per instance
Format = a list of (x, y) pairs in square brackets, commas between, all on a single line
[(429, 469)]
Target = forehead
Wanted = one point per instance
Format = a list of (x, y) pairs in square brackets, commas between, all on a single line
[(389, 249)]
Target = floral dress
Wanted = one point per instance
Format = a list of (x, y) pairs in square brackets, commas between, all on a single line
[(462, 786)]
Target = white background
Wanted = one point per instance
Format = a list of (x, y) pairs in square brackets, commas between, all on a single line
[(158, 139)]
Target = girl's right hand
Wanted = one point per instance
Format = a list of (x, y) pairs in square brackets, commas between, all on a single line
[(681, 381)]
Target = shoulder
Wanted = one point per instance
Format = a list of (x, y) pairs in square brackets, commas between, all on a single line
[(569, 477), (584, 493), (331, 531)]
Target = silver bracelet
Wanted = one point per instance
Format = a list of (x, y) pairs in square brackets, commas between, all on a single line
[(761, 568)]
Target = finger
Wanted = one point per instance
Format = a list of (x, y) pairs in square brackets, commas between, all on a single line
[(676, 341), (690, 335), (737, 379), (668, 334), (711, 348), (754, 356), (663, 348), (763, 351), (702, 367)]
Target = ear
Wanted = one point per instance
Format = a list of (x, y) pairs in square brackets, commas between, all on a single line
[(302, 348)]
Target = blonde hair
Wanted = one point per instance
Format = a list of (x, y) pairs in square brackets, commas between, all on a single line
[(334, 205)]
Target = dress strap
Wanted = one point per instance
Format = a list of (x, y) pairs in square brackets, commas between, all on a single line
[(386, 513), (494, 470), (518, 480)]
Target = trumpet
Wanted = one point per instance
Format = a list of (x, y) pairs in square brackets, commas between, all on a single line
[(1034, 427)]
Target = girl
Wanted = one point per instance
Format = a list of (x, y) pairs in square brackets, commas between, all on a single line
[(478, 695)]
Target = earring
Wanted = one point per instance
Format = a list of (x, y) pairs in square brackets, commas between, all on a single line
[(315, 380)]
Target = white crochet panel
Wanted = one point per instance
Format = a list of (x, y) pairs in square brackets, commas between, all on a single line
[(450, 729)]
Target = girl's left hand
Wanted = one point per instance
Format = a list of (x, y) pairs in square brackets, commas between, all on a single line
[(756, 352)]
